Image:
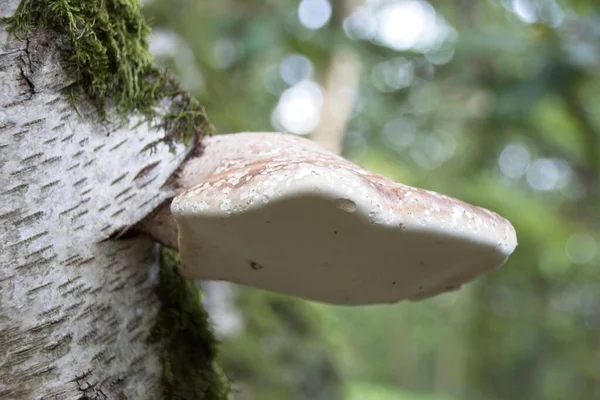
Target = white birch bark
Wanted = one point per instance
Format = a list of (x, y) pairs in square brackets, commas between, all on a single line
[(75, 308)]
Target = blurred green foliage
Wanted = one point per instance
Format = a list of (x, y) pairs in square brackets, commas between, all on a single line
[(503, 112), (369, 391), (283, 353)]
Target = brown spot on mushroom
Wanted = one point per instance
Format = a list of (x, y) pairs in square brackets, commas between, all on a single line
[(255, 266)]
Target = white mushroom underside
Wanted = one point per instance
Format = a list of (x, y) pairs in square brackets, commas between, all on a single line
[(308, 223)]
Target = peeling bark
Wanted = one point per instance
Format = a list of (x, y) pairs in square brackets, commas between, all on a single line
[(75, 307)]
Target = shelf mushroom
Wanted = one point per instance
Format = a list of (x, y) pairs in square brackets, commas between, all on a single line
[(279, 212)]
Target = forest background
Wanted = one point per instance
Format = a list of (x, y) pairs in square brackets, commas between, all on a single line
[(495, 102)]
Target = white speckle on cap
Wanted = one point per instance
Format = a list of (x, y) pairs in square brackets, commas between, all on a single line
[(226, 204)]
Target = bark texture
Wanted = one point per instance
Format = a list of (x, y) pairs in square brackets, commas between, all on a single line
[(75, 307)]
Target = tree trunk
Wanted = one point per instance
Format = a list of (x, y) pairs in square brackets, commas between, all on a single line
[(75, 307), (340, 86)]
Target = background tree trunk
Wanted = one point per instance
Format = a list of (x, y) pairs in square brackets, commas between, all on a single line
[(75, 308), (340, 87)]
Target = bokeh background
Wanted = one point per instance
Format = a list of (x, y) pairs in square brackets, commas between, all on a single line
[(496, 102)]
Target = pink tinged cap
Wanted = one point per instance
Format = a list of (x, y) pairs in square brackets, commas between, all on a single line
[(279, 212)]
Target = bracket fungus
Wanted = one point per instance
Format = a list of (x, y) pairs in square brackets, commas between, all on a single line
[(279, 212)]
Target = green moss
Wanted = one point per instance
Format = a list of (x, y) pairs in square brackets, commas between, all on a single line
[(189, 347), (106, 44)]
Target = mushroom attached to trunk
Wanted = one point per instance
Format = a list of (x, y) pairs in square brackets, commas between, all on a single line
[(278, 212)]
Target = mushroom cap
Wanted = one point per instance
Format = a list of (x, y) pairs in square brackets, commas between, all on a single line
[(278, 212)]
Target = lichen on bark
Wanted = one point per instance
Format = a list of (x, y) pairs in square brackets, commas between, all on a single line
[(105, 43), (188, 344)]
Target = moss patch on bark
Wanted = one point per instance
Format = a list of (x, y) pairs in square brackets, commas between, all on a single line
[(188, 344), (106, 44)]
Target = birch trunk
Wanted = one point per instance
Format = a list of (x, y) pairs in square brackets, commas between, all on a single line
[(75, 308)]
